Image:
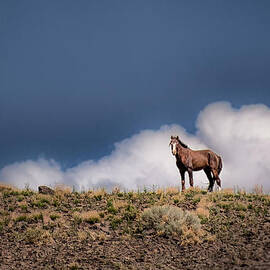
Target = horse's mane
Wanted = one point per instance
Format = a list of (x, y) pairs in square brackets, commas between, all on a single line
[(182, 144)]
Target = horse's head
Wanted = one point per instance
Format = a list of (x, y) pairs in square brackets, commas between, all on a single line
[(173, 143)]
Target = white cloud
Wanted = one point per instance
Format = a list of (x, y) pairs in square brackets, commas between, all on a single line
[(33, 173), (241, 137)]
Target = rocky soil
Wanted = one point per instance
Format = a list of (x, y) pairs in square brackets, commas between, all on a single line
[(100, 230)]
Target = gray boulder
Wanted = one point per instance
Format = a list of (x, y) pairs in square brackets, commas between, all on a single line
[(45, 190)]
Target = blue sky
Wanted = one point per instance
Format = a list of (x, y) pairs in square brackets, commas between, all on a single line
[(78, 76)]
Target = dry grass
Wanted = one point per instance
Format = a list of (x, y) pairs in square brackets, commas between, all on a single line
[(172, 190), (35, 235), (62, 189), (97, 193), (227, 191), (74, 266), (202, 212), (203, 207), (89, 216), (82, 235), (189, 236), (44, 197), (4, 186), (258, 190), (118, 204)]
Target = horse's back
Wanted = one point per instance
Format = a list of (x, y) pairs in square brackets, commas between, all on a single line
[(200, 159)]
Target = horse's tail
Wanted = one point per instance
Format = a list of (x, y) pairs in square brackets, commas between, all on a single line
[(219, 164), (215, 161)]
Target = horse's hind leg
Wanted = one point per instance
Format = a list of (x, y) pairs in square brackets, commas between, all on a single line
[(216, 177), (210, 178)]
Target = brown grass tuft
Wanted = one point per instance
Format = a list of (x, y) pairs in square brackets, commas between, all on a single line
[(89, 216)]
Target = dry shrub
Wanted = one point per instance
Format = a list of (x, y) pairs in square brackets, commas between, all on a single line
[(54, 216), (77, 217), (189, 236), (46, 237), (33, 217), (97, 193), (202, 212), (101, 236), (119, 204), (171, 220), (35, 235), (74, 266), (23, 206), (82, 235), (203, 207), (89, 216), (94, 236)]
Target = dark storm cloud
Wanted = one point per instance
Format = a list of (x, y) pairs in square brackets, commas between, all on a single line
[(76, 77)]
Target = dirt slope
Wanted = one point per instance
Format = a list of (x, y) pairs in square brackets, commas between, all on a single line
[(99, 230)]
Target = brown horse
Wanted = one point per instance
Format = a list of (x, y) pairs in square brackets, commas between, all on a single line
[(190, 160)]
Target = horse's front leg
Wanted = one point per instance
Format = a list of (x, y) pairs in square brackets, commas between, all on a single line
[(182, 173), (190, 174)]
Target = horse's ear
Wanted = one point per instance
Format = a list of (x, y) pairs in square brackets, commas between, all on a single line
[(177, 137), (172, 137)]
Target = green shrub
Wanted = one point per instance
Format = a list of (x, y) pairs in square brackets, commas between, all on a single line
[(98, 197), (36, 217), (54, 216), (176, 201), (44, 200), (11, 208), (110, 207), (21, 218), (240, 207), (130, 213), (115, 222), (170, 220), (20, 198), (196, 200), (24, 207), (27, 192), (39, 204)]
